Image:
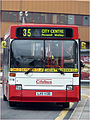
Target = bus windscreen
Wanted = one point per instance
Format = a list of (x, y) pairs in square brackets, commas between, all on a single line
[(44, 54)]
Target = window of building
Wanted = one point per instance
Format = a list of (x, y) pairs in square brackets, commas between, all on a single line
[(49, 18), (13, 16), (4, 16), (29, 18), (56, 19), (10, 16), (70, 19), (85, 20), (36, 18), (43, 18), (78, 20), (63, 19)]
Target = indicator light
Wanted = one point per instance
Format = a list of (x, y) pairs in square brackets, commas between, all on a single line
[(12, 74), (75, 75)]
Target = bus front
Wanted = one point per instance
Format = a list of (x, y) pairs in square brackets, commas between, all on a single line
[(44, 65)]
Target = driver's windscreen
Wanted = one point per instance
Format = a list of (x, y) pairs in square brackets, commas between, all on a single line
[(27, 53)]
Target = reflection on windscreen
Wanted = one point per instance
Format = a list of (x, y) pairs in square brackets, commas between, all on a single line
[(27, 53), (43, 54)]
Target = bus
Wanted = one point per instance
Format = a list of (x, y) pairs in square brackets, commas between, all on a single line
[(85, 57), (41, 63)]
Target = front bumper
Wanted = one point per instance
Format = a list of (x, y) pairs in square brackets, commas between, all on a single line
[(30, 95)]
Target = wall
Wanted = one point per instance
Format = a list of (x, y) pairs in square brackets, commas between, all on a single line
[(69, 7), (73, 7)]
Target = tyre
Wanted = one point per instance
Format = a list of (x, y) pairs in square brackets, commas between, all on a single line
[(4, 98), (12, 104), (66, 105)]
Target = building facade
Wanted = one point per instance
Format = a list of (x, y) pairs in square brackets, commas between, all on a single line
[(49, 12)]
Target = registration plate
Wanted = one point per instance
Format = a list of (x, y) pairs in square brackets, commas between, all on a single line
[(43, 93)]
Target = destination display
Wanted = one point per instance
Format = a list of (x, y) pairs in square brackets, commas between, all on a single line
[(28, 32)]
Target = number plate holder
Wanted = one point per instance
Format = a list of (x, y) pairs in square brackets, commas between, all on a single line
[(43, 93)]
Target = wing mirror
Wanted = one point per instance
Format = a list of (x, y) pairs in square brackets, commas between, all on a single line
[(82, 64)]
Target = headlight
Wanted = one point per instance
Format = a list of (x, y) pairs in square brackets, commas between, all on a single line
[(69, 87), (18, 87)]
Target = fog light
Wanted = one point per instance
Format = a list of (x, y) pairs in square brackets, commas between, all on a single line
[(69, 87), (18, 87)]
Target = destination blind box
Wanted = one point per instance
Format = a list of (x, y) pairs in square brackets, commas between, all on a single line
[(32, 32)]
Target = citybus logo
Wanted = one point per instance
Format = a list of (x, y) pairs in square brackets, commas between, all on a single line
[(44, 81)]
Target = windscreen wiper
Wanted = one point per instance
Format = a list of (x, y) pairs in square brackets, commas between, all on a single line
[(30, 70), (62, 73)]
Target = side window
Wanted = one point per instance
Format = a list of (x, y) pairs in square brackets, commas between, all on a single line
[(6, 56), (70, 54), (3, 61)]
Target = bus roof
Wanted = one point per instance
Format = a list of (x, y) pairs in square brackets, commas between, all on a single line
[(44, 25)]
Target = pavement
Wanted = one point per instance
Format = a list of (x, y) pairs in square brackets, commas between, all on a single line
[(82, 110)]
